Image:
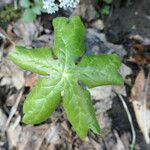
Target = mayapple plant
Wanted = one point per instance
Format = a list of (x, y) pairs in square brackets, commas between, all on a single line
[(65, 78)]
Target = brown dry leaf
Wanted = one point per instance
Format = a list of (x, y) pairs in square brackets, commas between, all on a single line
[(119, 145), (142, 46), (148, 95), (11, 74), (140, 41), (113, 142), (140, 59), (30, 80), (45, 40), (139, 47), (138, 88), (11, 100), (53, 139), (140, 101), (101, 92), (84, 145), (98, 24), (125, 139), (86, 10), (3, 119), (26, 31), (27, 137)]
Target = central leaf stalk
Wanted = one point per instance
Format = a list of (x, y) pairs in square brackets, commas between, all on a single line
[(65, 74)]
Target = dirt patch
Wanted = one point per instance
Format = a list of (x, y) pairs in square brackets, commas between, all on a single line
[(128, 16)]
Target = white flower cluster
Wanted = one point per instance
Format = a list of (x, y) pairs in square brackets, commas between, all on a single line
[(51, 6), (68, 3)]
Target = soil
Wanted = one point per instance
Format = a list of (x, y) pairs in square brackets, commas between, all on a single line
[(128, 17)]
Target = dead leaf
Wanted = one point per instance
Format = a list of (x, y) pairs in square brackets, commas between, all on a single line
[(125, 70), (86, 10), (140, 59), (103, 106), (119, 145), (3, 119), (143, 118), (98, 24), (27, 32), (10, 73), (26, 137), (30, 80), (101, 92), (138, 88), (140, 102)]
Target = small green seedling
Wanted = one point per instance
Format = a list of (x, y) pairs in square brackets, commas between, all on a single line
[(63, 74), (31, 9)]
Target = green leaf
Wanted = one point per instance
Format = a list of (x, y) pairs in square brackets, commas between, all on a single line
[(24, 3), (100, 70), (79, 109), (105, 10), (69, 39), (38, 2), (108, 1), (61, 74), (37, 60), (42, 101), (37, 10), (29, 15)]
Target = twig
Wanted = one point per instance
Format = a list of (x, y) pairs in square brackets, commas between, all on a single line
[(5, 35), (1, 51), (130, 121), (13, 110)]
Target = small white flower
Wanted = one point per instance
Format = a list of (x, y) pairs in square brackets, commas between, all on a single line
[(50, 6), (68, 3)]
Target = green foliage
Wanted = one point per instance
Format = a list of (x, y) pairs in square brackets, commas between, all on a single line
[(104, 6), (9, 14), (62, 75), (31, 9), (105, 10), (108, 1)]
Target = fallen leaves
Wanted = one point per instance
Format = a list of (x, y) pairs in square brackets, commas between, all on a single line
[(140, 102), (138, 88), (25, 138), (11, 74), (141, 46), (86, 10)]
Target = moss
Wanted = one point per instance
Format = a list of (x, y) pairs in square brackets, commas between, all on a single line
[(8, 13)]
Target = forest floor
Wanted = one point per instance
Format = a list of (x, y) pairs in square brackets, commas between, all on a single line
[(122, 111)]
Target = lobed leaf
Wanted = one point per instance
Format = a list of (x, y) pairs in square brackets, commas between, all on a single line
[(29, 15), (42, 100), (79, 109), (24, 3), (69, 39), (37, 60), (100, 70), (62, 75)]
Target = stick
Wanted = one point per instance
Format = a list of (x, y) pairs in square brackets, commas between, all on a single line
[(130, 121), (13, 110)]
